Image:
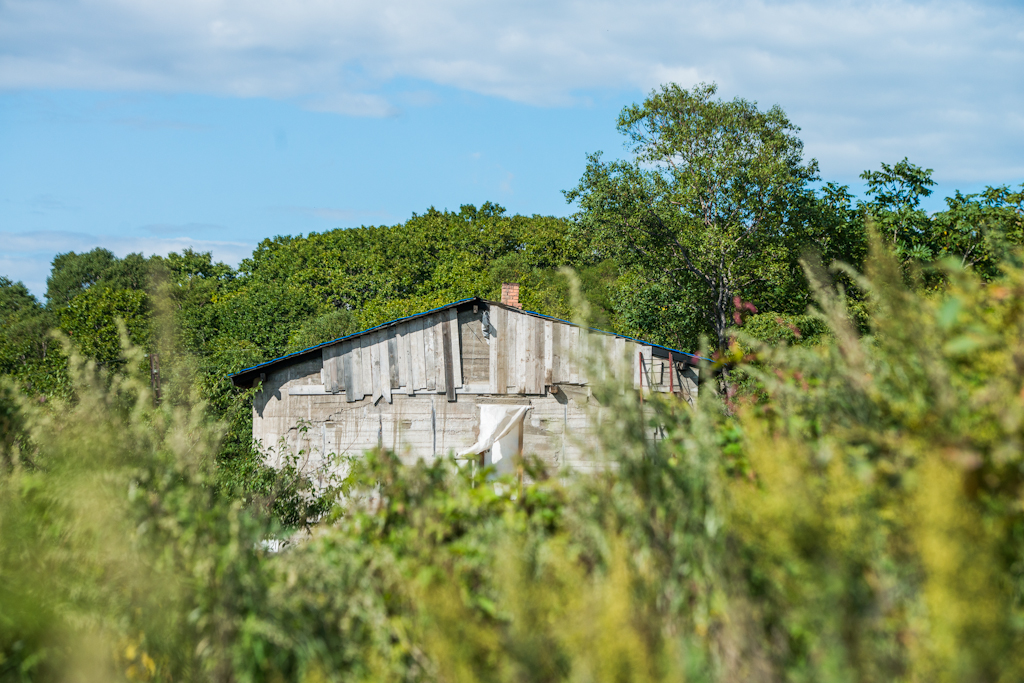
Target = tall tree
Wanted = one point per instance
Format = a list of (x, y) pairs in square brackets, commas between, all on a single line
[(708, 210), (895, 205), (983, 231), (71, 274), (979, 231), (27, 351)]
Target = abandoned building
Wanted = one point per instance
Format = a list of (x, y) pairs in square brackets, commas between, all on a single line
[(480, 379)]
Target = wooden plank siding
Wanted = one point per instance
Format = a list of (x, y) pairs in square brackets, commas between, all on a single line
[(416, 354), (455, 345), (365, 365), (349, 370), (448, 353), (375, 366), (496, 371), (558, 366), (499, 350), (429, 357), (333, 373), (476, 351), (448, 361), (393, 361), (549, 353), (509, 346)]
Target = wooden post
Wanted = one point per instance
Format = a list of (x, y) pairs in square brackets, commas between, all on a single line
[(644, 371), (671, 375), (640, 354), (449, 370), (154, 377)]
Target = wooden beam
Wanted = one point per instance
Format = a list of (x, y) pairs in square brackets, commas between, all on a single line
[(456, 346), (449, 370), (383, 351), (429, 354), (366, 365), (573, 354), (393, 367), (376, 379), (327, 376), (549, 353), (405, 355), (498, 377), (350, 383), (416, 351)]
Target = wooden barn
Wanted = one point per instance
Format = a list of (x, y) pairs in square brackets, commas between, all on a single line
[(476, 378)]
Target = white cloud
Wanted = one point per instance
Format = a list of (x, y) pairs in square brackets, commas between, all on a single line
[(353, 104), (938, 81)]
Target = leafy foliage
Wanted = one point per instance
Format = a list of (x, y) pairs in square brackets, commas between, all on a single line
[(27, 351), (71, 274), (856, 516), (92, 321), (328, 326), (850, 508), (712, 207), (982, 231)]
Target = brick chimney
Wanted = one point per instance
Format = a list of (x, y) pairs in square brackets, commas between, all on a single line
[(510, 294)]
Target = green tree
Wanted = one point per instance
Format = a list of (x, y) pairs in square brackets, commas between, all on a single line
[(324, 328), (91, 321), (71, 274), (434, 258), (27, 351), (25, 324), (710, 208), (981, 231), (190, 283), (134, 271), (895, 205)]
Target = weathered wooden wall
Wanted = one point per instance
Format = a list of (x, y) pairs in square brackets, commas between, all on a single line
[(450, 352), (415, 387)]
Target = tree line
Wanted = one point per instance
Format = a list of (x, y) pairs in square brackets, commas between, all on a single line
[(851, 513), (704, 227), (849, 508)]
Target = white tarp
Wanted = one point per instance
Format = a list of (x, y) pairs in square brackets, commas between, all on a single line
[(500, 427)]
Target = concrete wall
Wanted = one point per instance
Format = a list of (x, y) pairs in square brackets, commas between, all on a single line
[(419, 426)]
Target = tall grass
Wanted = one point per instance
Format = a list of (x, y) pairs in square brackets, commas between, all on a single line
[(854, 513)]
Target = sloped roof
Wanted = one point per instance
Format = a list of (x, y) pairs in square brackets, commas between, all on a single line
[(244, 378)]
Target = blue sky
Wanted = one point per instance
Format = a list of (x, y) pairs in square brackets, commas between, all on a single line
[(150, 126)]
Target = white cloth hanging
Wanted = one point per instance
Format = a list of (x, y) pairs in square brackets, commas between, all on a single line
[(500, 427)]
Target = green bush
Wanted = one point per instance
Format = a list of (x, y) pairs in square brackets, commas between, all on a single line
[(856, 515)]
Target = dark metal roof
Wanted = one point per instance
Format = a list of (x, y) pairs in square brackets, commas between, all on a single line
[(244, 378)]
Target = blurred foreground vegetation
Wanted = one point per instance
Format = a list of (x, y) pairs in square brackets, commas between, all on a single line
[(845, 502), (851, 511)]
